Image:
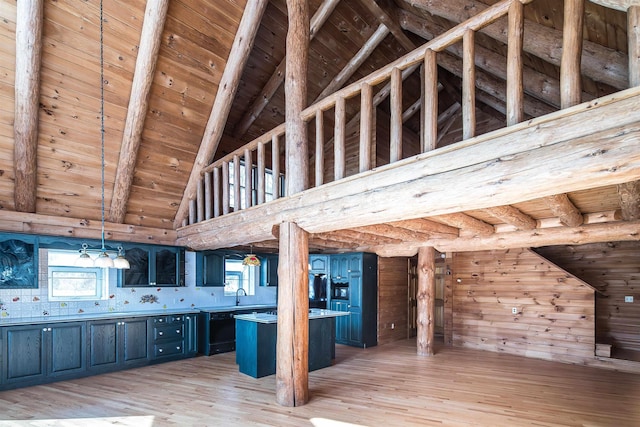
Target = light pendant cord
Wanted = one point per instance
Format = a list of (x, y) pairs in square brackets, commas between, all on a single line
[(102, 117)]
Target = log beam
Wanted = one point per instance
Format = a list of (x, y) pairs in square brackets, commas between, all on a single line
[(358, 59), (467, 223), (426, 296), (27, 97), (564, 209), (512, 216), (240, 50), (276, 79), (629, 196), (425, 226), (149, 46), (621, 5), (392, 232), (588, 233)]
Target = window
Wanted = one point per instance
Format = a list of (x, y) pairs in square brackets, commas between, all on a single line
[(268, 185), (238, 276), (70, 283)]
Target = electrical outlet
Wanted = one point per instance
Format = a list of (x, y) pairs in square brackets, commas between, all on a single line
[(393, 326), (628, 298), (514, 310)]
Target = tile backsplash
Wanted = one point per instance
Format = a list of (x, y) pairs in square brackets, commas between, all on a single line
[(21, 303)]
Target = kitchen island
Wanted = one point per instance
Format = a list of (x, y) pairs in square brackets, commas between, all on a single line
[(256, 341)]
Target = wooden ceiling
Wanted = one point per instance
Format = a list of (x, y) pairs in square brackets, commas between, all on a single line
[(195, 43)]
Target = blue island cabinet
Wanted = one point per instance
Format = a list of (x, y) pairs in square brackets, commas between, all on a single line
[(256, 342)]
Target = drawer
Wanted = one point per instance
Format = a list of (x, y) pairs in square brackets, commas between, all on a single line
[(171, 331), (168, 349), (168, 319)]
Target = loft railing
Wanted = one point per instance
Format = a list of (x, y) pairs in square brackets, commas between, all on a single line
[(220, 190)]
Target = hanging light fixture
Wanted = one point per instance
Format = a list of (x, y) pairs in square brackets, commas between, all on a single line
[(103, 260), (121, 262), (251, 259)]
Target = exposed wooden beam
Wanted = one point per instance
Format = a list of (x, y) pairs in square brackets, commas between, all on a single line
[(441, 180), (357, 238), (390, 231), (629, 196), (383, 14), (354, 63), (588, 233), (564, 209), (425, 226), (622, 5), (22, 222), (541, 41), (513, 216), (240, 50), (276, 79), (515, 72), (570, 72), (27, 97), (467, 223), (149, 46)]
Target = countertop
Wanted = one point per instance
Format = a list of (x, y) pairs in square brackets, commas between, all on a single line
[(6, 321), (314, 313), (218, 309)]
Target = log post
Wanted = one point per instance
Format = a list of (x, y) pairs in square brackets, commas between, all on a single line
[(366, 126), (570, 70), (633, 36), (426, 297), (515, 83), (292, 346), (395, 150), (430, 102), (319, 148), (468, 85), (27, 98)]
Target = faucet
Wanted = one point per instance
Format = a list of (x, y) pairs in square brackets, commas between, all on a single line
[(238, 295)]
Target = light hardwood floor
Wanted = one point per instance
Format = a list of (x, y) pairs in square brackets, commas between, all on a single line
[(381, 386)]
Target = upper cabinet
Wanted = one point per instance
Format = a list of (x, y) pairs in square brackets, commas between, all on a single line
[(18, 261), (153, 266)]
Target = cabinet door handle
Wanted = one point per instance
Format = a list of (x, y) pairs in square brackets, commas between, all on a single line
[(178, 331), (178, 348), (159, 350), (44, 329), (161, 333), (48, 329)]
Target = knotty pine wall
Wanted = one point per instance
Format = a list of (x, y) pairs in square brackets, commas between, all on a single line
[(392, 299), (555, 311), (614, 269)]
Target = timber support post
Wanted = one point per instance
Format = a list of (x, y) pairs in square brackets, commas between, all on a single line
[(426, 301), (292, 345)]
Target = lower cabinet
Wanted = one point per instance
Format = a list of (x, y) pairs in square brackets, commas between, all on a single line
[(173, 337), (343, 323), (41, 353), (117, 343), (33, 353)]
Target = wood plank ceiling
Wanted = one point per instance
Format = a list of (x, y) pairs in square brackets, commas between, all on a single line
[(349, 40)]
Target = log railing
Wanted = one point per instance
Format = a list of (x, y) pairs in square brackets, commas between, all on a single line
[(214, 195)]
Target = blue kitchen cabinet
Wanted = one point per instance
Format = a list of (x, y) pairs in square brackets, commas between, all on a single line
[(33, 353)]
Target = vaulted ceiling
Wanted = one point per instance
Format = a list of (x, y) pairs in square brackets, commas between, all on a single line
[(356, 38)]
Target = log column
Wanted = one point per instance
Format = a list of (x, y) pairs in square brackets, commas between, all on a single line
[(426, 301), (292, 352), (27, 97), (570, 73)]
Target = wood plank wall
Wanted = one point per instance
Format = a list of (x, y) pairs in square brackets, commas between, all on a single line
[(555, 311), (392, 299), (614, 269)]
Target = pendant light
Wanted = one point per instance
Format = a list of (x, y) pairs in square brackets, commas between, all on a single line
[(121, 262), (84, 260), (103, 260), (251, 259)]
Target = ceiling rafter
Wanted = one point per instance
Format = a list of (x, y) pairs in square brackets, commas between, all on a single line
[(29, 22), (466, 223), (564, 209), (629, 197), (240, 50), (512, 215), (276, 79), (149, 46)]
